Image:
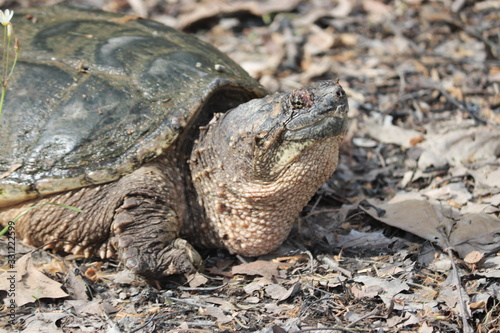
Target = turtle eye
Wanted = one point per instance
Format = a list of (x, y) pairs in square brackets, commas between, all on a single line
[(298, 103), (260, 138), (300, 99)]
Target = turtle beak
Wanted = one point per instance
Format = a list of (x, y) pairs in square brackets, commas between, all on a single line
[(326, 116)]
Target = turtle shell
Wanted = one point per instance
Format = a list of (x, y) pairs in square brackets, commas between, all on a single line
[(95, 95)]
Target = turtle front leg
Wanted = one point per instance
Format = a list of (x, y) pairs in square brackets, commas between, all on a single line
[(146, 226), (145, 232), (137, 219)]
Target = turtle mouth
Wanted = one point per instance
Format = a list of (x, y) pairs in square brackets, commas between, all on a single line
[(318, 126)]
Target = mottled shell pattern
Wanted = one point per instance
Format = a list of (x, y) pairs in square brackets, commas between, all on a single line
[(95, 95)]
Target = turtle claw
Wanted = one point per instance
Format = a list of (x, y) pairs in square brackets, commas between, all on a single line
[(178, 257)]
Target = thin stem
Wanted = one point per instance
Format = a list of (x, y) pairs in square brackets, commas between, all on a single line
[(9, 38), (16, 54), (5, 52), (4, 73), (4, 88)]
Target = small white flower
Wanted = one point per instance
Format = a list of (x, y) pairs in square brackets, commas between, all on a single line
[(6, 16)]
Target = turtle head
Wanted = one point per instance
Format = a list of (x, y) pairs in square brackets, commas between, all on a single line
[(299, 120), (256, 166)]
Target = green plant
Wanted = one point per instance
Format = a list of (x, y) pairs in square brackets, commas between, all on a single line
[(7, 68)]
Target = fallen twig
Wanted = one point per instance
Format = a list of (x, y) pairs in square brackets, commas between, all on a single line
[(464, 313)]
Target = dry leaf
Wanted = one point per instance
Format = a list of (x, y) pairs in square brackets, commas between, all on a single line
[(378, 286), (478, 305), (196, 280), (275, 291), (459, 146), (454, 191), (474, 257), (77, 287), (384, 131), (30, 283), (425, 328), (267, 269), (290, 292), (256, 284), (278, 309), (217, 313), (44, 322), (206, 9), (440, 224)]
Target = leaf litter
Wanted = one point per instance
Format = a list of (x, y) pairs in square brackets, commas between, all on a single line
[(404, 238)]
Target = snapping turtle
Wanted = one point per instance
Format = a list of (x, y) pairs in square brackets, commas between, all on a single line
[(157, 137)]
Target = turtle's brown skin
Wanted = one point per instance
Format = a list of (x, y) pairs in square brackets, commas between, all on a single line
[(258, 165), (117, 140), (253, 169)]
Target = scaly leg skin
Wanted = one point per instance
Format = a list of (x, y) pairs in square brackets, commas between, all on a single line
[(145, 227), (132, 219), (145, 232)]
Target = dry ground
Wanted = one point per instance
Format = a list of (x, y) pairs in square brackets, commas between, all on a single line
[(404, 238)]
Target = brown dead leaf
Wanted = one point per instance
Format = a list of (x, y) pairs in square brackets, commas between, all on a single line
[(385, 289), (275, 291), (290, 292), (206, 9), (44, 322), (29, 283), (461, 146), (76, 286), (425, 328), (341, 9), (319, 40), (456, 193), (96, 307), (478, 305), (256, 284), (224, 303), (378, 11), (263, 268), (124, 277), (389, 271), (278, 309), (480, 232), (409, 319), (54, 266), (474, 257), (196, 280), (289, 261), (216, 312), (360, 293), (382, 130), (440, 224), (220, 268)]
